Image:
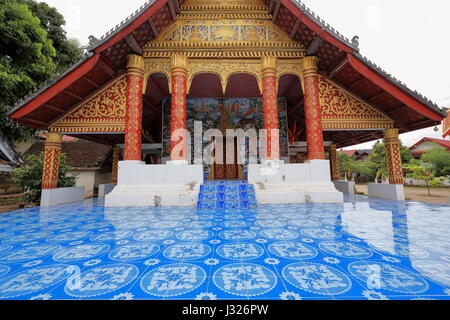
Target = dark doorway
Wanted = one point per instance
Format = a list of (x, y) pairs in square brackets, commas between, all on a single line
[(226, 168)]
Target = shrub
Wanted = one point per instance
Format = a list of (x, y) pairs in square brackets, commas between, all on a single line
[(29, 177)]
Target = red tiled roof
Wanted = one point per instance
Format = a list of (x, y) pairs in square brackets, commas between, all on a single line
[(350, 153), (80, 154), (444, 143)]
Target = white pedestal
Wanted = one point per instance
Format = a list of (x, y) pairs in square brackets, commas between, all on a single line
[(140, 185), (55, 197), (345, 186), (105, 189), (277, 182), (395, 192)]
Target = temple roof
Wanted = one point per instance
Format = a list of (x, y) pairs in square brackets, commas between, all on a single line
[(339, 59)]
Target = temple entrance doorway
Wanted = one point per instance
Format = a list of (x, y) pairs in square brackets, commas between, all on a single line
[(226, 165)]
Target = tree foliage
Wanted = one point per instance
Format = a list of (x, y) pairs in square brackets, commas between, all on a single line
[(349, 166), (33, 48), (29, 177), (425, 173), (439, 159), (377, 159)]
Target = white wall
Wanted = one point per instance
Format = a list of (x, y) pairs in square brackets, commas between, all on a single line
[(85, 179)]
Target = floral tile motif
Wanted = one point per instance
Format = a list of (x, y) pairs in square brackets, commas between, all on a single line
[(173, 280), (317, 278), (368, 249), (33, 280), (133, 252), (245, 279), (240, 251), (101, 280), (293, 250)]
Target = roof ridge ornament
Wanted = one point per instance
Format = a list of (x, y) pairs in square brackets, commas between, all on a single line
[(355, 41)]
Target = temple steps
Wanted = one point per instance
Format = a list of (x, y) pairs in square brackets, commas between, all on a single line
[(227, 195)]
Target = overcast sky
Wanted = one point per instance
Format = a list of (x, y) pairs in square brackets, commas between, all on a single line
[(407, 38)]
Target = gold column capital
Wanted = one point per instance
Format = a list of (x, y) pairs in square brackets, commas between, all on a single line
[(269, 66), (391, 133), (135, 61), (333, 148), (179, 61), (310, 66), (53, 137)]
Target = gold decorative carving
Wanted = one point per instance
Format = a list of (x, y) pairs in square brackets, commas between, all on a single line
[(225, 69), (224, 29), (342, 110), (102, 112), (135, 61)]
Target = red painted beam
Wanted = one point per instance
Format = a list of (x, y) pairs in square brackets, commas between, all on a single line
[(314, 27), (393, 90), (57, 88), (133, 26)]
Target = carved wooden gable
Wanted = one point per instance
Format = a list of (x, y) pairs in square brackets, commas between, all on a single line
[(224, 29), (102, 112), (342, 110)]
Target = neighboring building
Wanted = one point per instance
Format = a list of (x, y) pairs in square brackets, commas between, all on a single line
[(9, 158), (91, 162), (426, 144), (359, 155)]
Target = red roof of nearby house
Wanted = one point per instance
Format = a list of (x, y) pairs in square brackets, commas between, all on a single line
[(350, 153), (80, 154), (64, 138), (443, 143)]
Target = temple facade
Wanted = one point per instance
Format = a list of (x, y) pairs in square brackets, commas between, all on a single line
[(185, 89)]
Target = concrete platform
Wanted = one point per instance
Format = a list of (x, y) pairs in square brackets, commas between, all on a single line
[(173, 184), (278, 183)]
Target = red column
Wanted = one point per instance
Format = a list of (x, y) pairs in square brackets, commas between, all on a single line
[(52, 154), (270, 107), (314, 134), (133, 118), (178, 115)]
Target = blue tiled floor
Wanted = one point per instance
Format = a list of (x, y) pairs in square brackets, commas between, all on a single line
[(363, 249)]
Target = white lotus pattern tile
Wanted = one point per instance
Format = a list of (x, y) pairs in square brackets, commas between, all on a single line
[(28, 253), (293, 250), (389, 277), (317, 278), (240, 251), (238, 235), (187, 251), (245, 279), (133, 252), (173, 280), (101, 280), (345, 249), (80, 252), (33, 280), (153, 235)]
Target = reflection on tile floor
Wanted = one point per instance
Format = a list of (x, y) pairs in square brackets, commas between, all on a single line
[(365, 249)]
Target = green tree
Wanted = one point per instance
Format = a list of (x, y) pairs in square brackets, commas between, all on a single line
[(33, 47), (439, 159), (29, 177), (378, 162), (348, 166), (68, 51), (425, 173)]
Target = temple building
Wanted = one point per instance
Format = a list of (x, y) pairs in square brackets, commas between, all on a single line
[(176, 68)]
